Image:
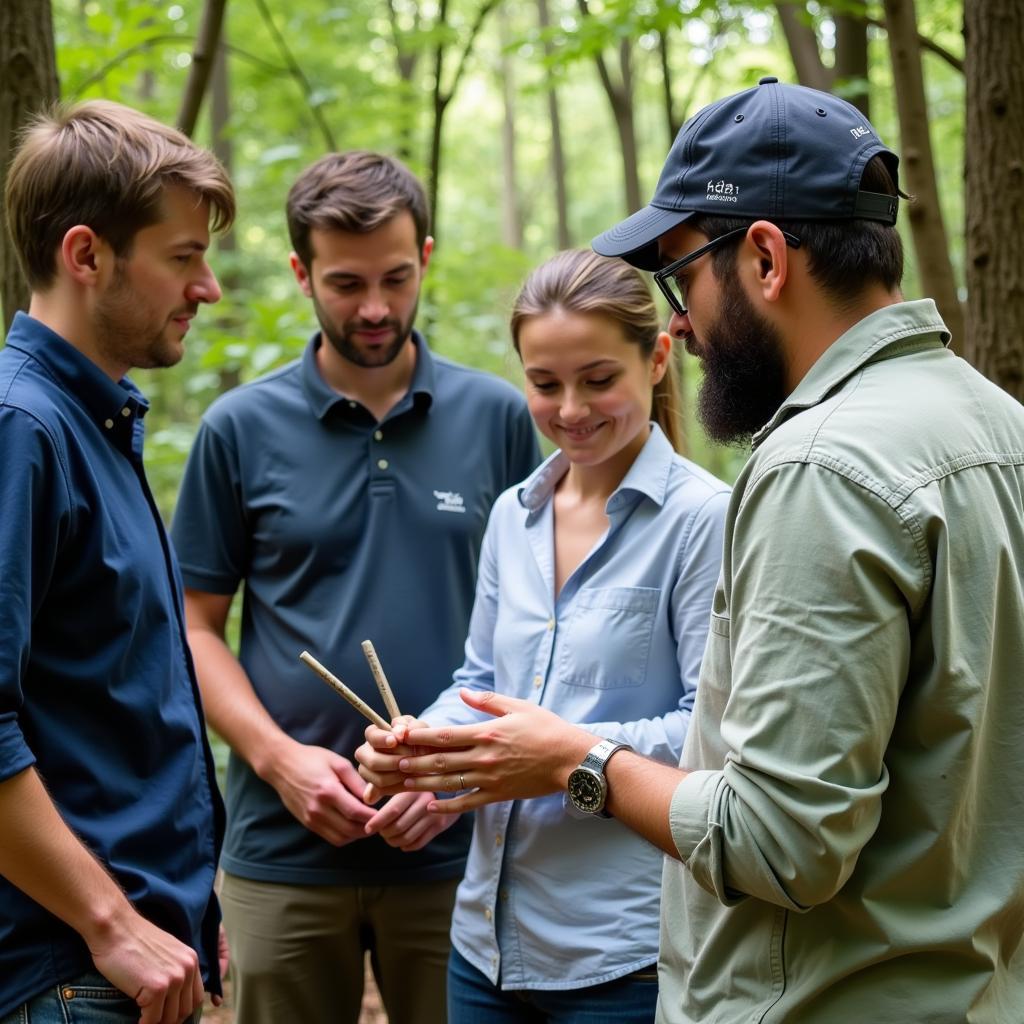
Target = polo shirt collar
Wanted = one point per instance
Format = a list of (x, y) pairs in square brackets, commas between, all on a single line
[(322, 398), (103, 399), (647, 477), (889, 331)]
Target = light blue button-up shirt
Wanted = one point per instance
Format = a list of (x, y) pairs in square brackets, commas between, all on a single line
[(552, 899)]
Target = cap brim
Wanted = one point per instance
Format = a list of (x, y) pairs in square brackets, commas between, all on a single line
[(636, 238)]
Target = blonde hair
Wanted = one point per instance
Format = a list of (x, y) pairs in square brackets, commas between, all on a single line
[(106, 166), (580, 281)]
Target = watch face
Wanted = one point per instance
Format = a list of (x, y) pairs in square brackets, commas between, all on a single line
[(587, 790)]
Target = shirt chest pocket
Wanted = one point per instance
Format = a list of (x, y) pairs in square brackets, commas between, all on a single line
[(607, 640)]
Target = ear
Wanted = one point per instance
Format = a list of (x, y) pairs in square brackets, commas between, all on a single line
[(768, 257), (428, 248), (661, 357), (84, 255), (301, 274)]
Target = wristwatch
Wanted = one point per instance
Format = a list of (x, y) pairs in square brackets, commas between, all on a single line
[(588, 787)]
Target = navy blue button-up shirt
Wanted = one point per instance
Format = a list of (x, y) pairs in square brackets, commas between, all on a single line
[(97, 689)]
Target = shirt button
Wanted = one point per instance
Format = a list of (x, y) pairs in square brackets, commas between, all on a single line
[(382, 463), (487, 913), (551, 624), (498, 840), (351, 404), (537, 680), (378, 435), (126, 411), (108, 424)]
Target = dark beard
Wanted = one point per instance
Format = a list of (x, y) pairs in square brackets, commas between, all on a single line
[(744, 371), (340, 338)]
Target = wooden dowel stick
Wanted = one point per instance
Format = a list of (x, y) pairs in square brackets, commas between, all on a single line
[(333, 681), (381, 680)]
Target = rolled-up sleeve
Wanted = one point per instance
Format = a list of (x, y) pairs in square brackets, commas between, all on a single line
[(34, 512), (824, 576)]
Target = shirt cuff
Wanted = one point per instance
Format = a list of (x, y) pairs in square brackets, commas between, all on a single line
[(690, 810), (15, 755)]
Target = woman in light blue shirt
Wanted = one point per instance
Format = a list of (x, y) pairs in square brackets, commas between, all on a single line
[(593, 600)]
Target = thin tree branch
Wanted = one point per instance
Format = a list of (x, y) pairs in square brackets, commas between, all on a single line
[(203, 56), (298, 74), (925, 43), (164, 40), (485, 8)]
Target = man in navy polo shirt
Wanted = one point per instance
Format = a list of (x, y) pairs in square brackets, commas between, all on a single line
[(349, 492), (109, 813)]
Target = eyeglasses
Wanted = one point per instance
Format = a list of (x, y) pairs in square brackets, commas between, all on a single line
[(674, 289)]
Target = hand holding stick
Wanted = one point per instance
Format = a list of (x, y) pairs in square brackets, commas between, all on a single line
[(333, 681), (381, 680)]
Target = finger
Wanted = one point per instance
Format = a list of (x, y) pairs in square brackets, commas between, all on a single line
[(492, 703), (460, 804), (441, 762), (197, 993), (152, 1006), (389, 814), (451, 782)]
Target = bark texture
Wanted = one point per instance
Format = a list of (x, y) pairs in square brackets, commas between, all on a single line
[(994, 66), (28, 83)]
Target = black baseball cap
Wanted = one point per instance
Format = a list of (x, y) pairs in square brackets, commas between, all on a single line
[(778, 152)]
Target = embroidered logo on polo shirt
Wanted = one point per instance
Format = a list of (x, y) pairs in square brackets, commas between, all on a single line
[(450, 501)]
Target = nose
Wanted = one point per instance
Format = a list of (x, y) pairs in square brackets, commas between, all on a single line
[(573, 408), (374, 307), (205, 288), (679, 325)]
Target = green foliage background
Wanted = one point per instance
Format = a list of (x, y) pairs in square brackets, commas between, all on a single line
[(140, 53)]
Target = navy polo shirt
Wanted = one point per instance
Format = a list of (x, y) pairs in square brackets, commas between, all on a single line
[(345, 529), (97, 688)]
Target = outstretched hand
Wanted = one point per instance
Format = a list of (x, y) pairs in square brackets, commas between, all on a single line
[(524, 751)]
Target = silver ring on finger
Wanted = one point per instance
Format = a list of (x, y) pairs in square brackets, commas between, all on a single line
[(462, 781)]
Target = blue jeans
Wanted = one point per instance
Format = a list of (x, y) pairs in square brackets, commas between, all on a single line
[(87, 999), (472, 999)]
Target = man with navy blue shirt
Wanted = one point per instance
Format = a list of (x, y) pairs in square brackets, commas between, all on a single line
[(109, 812), (349, 491)]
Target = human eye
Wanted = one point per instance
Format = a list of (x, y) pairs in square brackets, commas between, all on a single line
[(543, 386), (601, 382), (396, 280)]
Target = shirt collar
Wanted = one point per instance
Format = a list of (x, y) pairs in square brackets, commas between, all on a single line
[(104, 399), (889, 331), (648, 476), (322, 398)]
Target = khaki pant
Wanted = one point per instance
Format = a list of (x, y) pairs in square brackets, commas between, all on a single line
[(297, 951)]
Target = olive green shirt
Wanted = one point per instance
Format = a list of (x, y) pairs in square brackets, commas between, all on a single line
[(852, 827)]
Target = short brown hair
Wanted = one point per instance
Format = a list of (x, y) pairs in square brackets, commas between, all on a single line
[(106, 166), (581, 281), (357, 191)]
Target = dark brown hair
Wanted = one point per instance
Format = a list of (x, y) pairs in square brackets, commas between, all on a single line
[(581, 281), (844, 256), (355, 191), (106, 166)]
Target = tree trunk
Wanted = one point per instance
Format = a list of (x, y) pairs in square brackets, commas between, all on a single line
[(803, 46), (994, 67), (442, 97), (625, 123), (672, 122), (620, 98), (927, 228), (511, 208), (203, 56), (228, 376), (28, 82), (852, 53), (558, 170)]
